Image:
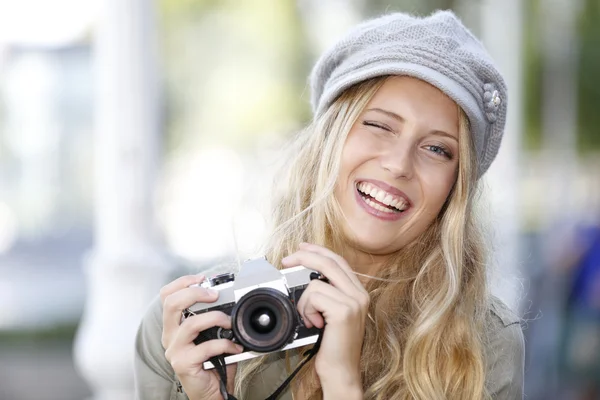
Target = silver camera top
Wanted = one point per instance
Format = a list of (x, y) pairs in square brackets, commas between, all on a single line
[(253, 274)]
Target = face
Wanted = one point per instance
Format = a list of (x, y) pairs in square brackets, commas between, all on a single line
[(398, 166)]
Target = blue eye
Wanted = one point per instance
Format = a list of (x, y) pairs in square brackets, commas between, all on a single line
[(440, 150)]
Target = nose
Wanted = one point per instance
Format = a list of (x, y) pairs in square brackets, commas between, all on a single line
[(399, 161)]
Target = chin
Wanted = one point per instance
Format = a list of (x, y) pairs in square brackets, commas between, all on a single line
[(372, 244)]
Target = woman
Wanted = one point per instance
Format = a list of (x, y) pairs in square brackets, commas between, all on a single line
[(379, 197)]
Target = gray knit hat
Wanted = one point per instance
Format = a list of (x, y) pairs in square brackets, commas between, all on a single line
[(438, 49)]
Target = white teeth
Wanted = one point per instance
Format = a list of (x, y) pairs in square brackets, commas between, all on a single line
[(378, 206), (382, 197), (373, 193)]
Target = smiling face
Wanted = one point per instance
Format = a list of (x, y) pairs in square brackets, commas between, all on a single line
[(398, 166)]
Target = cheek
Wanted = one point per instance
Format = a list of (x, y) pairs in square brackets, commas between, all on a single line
[(354, 154), (353, 148), (437, 191)]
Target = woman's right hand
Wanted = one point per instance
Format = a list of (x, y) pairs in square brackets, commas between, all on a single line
[(185, 357)]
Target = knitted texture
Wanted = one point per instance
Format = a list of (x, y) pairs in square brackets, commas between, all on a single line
[(437, 49)]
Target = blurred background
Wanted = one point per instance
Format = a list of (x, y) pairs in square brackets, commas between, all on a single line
[(138, 140)]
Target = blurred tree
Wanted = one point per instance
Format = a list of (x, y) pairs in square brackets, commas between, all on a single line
[(229, 79), (589, 77), (533, 78)]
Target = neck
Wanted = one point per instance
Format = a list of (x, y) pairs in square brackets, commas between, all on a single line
[(364, 263)]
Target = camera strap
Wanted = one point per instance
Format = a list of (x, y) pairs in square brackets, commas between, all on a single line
[(310, 353), (221, 367)]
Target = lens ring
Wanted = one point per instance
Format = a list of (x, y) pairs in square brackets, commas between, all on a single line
[(278, 305)]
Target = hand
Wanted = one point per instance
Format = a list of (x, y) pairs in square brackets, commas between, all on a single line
[(185, 357), (343, 305)]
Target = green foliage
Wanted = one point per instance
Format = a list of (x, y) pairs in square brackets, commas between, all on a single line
[(532, 136), (589, 77), (63, 333), (234, 70)]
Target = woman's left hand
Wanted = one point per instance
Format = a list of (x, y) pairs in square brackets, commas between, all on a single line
[(343, 305)]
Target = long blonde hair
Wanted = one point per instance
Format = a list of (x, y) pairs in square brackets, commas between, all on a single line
[(424, 338)]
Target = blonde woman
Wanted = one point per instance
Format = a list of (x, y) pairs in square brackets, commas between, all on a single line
[(378, 195)]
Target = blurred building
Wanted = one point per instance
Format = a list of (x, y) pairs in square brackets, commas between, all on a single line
[(229, 92), (45, 169)]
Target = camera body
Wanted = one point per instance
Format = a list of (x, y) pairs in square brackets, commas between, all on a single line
[(261, 301)]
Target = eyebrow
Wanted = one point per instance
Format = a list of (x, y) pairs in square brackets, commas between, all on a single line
[(399, 118)]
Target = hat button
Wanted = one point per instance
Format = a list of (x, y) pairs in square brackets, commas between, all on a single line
[(496, 100)]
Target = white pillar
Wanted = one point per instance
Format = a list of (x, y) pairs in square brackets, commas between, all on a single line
[(501, 27), (124, 271)]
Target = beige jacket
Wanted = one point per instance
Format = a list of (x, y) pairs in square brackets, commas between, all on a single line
[(155, 379)]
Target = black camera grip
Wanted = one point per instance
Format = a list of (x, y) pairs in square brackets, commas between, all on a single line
[(319, 276)]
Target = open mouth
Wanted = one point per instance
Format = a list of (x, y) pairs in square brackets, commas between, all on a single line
[(381, 200)]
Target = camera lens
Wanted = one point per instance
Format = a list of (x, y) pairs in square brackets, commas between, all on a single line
[(264, 320)]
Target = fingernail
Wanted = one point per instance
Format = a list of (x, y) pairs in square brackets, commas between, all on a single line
[(240, 348), (285, 259), (212, 292)]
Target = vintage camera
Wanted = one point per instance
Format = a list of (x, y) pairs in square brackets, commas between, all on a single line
[(261, 301)]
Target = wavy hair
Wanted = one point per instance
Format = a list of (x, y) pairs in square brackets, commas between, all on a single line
[(425, 332)]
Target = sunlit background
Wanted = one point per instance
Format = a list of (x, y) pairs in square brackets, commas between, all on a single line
[(138, 141)]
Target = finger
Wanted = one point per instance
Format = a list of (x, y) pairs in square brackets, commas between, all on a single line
[(318, 286), (332, 311), (334, 256), (178, 284), (175, 303), (206, 350), (192, 326), (181, 361), (325, 265), (318, 307), (331, 292)]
